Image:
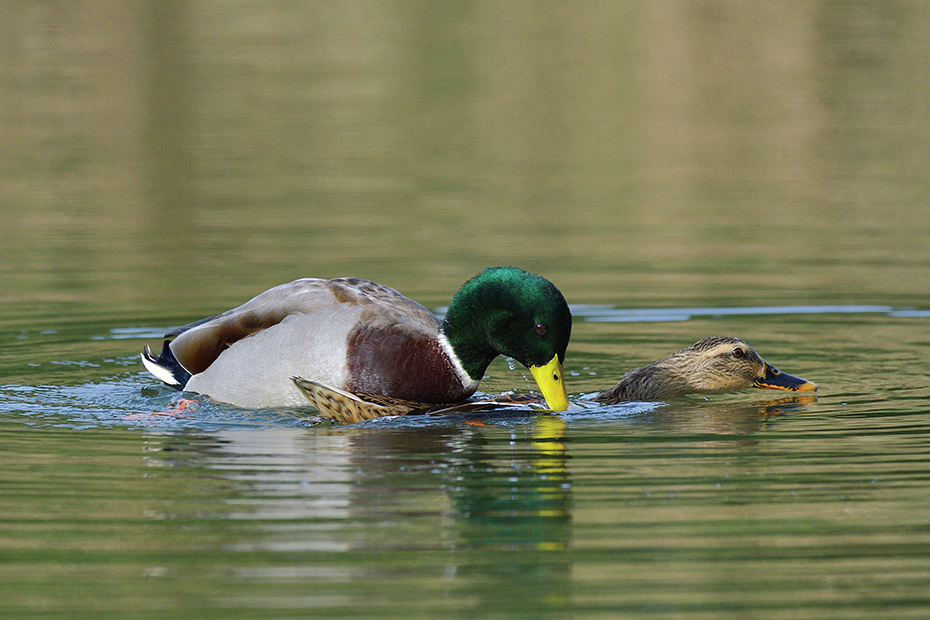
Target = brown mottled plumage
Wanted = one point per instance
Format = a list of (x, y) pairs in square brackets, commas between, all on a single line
[(714, 364), (347, 407)]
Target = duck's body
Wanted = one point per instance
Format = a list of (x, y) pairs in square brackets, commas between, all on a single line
[(350, 407), (358, 336), (712, 365)]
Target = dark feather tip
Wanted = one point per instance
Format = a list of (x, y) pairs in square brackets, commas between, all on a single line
[(165, 367)]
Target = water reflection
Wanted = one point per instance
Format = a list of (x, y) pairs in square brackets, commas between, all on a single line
[(485, 506), (727, 417), (483, 503), (514, 509)]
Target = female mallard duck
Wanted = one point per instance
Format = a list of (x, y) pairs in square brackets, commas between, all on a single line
[(712, 365), (347, 407), (361, 337)]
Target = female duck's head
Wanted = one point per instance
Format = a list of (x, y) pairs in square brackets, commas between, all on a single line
[(712, 365), (722, 364)]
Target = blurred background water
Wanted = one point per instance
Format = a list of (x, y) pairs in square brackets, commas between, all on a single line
[(678, 169)]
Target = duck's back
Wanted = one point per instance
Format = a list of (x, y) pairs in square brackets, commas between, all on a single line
[(348, 333)]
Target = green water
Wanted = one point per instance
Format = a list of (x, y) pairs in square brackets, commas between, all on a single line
[(678, 170)]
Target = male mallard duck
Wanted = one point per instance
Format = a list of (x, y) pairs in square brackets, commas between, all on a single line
[(714, 364), (361, 337)]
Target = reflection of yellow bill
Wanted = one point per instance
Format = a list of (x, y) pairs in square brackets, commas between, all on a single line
[(549, 442), (549, 434), (550, 380)]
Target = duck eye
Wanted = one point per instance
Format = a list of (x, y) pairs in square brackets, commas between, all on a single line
[(737, 353), (540, 329)]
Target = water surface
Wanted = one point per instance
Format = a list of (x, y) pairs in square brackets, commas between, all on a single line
[(678, 169)]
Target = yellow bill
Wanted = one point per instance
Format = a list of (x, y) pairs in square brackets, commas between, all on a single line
[(551, 382)]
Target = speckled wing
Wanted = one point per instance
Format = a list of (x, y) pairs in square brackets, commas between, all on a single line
[(344, 407)]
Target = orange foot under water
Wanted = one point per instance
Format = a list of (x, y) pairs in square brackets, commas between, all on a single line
[(179, 409)]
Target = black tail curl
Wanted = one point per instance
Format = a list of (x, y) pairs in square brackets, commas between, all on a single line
[(165, 367)]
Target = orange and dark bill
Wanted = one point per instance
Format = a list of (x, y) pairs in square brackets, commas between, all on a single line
[(774, 379)]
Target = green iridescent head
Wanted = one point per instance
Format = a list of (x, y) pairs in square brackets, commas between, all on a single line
[(508, 311)]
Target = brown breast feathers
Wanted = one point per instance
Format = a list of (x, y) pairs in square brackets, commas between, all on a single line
[(397, 361)]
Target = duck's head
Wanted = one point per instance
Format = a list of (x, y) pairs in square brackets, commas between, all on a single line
[(723, 364), (508, 311)]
